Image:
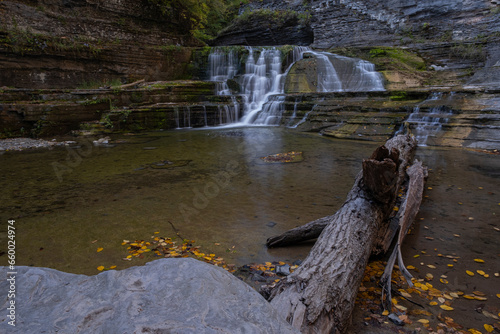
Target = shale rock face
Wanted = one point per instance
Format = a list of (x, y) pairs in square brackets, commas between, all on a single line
[(63, 44), (165, 296)]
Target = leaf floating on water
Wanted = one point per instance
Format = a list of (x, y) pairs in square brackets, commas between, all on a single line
[(454, 295), (479, 260), (283, 157), (442, 280), (433, 303), (112, 267), (441, 300), (488, 328), (405, 294), (479, 293), (99, 249), (446, 307), (480, 272), (470, 273), (431, 266), (468, 297), (410, 267), (474, 331), (100, 268), (490, 315)]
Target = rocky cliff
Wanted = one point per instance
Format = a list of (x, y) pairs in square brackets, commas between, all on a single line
[(67, 43)]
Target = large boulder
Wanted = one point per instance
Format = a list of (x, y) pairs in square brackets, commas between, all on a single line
[(164, 296)]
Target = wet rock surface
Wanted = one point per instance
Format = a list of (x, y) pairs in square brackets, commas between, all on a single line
[(168, 295), (20, 144)]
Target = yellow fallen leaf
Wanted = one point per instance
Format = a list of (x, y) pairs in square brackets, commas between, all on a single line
[(479, 293), (157, 232), (498, 295), (433, 303), (479, 260), (446, 307), (396, 208), (442, 280), (480, 272), (468, 297), (470, 273), (454, 295), (401, 308), (112, 267), (474, 331), (431, 266), (99, 249), (100, 268), (450, 265), (405, 294), (410, 267), (423, 321), (480, 298), (385, 312), (488, 328), (416, 255)]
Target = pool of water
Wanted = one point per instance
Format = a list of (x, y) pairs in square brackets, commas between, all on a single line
[(211, 186), (207, 185)]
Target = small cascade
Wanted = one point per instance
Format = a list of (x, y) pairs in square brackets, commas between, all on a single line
[(343, 74), (292, 119), (205, 115), (177, 120), (303, 118), (424, 124)]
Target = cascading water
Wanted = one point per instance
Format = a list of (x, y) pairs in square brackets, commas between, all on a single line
[(262, 84), (343, 74), (426, 125)]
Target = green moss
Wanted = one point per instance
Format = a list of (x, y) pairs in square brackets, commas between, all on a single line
[(399, 96), (410, 59)]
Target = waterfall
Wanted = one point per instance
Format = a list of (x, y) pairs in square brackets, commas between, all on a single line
[(262, 84), (343, 74), (425, 125)]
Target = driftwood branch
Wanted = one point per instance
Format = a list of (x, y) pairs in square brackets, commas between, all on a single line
[(416, 173), (319, 296), (132, 84)]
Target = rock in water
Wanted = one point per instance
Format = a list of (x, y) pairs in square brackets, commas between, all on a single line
[(164, 296)]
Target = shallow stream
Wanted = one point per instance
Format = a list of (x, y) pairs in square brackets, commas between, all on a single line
[(211, 186)]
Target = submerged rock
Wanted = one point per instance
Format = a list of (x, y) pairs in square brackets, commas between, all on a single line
[(167, 295)]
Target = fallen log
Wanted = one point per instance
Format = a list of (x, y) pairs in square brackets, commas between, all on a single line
[(313, 229), (319, 296)]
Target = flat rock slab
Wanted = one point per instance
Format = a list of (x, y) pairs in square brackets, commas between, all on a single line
[(164, 296)]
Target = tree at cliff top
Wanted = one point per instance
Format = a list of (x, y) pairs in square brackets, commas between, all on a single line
[(203, 18)]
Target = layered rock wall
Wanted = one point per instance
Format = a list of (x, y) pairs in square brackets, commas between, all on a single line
[(64, 44)]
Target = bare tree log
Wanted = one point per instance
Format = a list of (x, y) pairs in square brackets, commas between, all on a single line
[(319, 296)]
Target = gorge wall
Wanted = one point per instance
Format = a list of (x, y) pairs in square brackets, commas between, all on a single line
[(67, 43)]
